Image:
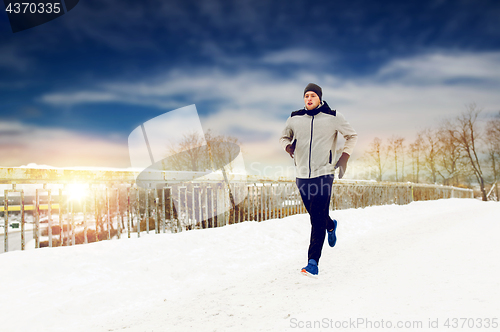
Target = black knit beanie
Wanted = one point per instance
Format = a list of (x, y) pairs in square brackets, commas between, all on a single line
[(315, 88)]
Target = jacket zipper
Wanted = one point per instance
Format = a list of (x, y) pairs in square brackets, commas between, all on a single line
[(310, 145)]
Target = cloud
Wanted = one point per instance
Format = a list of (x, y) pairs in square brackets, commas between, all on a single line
[(297, 56), (443, 67), (21, 144), (402, 97), (248, 87), (160, 26), (80, 97), (12, 59)]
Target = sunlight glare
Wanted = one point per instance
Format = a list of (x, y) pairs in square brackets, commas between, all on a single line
[(77, 191)]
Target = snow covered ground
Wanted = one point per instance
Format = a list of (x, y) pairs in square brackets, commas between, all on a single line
[(394, 266)]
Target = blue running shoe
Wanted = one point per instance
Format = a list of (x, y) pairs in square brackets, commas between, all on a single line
[(311, 270), (332, 238)]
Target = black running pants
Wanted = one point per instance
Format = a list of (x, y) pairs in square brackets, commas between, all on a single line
[(316, 193)]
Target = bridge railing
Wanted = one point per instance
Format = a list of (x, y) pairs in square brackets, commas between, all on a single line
[(60, 207)]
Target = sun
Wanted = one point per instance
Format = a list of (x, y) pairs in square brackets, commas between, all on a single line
[(77, 191)]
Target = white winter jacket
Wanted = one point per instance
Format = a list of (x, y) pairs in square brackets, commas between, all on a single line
[(314, 133)]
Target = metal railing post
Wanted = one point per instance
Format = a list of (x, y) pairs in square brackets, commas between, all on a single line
[(37, 220), (118, 213), (146, 212), (138, 213), (129, 214), (72, 223), (6, 216), (61, 220), (49, 194), (6, 220), (85, 226), (156, 210), (163, 214)]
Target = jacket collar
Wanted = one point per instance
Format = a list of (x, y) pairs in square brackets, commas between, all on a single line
[(321, 108)]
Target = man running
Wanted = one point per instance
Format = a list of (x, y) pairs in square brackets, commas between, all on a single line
[(310, 137)]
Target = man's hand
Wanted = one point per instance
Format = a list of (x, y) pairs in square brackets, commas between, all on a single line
[(342, 164), (290, 148)]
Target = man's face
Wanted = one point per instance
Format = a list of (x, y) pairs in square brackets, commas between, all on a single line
[(311, 100)]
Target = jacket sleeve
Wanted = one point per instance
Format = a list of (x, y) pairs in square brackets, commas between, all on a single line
[(350, 135), (286, 135)]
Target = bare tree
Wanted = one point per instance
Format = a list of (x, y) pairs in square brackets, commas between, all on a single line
[(415, 151), (377, 155), (187, 155), (467, 136), (431, 150), (493, 145), (448, 160), (223, 149), (397, 149), (402, 151), (201, 153)]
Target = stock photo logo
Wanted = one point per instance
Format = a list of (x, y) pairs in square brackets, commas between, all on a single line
[(173, 150), (28, 14)]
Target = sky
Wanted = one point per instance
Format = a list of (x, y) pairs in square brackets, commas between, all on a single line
[(73, 89)]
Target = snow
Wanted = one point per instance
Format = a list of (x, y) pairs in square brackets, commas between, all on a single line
[(418, 262), (82, 168)]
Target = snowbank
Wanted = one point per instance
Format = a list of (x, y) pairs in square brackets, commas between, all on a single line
[(419, 262)]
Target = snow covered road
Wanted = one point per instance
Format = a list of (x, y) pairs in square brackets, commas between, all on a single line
[(393, 266)]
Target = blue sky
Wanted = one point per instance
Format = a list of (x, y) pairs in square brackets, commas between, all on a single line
[(73, 89)]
